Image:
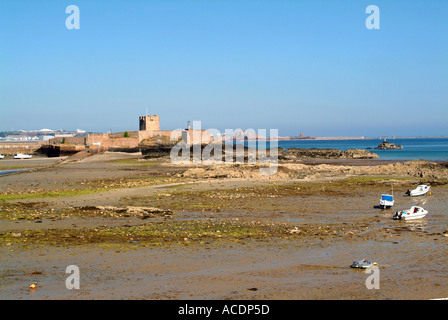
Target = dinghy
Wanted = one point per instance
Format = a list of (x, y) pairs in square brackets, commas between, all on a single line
[(419, 191), (2, 156), (413, 213), (22, 156)]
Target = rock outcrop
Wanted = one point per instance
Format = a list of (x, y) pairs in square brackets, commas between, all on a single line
[(295, 153), (153, 150), (129, 211), (359, 154), (416, 168), (156, 149), (387, 145)]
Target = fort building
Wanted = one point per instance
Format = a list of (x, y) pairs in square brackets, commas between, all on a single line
[(149, 130)]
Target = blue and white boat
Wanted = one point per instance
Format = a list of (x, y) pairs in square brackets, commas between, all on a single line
[(386, 201), (22, 156)]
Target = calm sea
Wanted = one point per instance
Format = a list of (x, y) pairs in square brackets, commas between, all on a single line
[(435, 149)]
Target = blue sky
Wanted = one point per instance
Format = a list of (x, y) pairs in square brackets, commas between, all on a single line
[(297, 66)]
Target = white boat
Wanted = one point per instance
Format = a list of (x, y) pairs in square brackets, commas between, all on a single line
[(386, 201), (22, 156), (2, 156), (413, 213), (419, 191), (362, 264)]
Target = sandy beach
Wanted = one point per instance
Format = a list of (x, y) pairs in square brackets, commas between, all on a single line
[(219, 232)]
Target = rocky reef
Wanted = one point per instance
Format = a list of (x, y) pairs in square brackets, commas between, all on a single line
[(295, 153), (387, 145), (155, 150)]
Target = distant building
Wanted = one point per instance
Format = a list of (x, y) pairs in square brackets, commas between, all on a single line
[(64, 135), (21, 138)]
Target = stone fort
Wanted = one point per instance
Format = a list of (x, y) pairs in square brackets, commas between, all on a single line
[(149, 132)]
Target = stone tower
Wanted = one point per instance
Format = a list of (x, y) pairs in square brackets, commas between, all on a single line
[(149, 123)]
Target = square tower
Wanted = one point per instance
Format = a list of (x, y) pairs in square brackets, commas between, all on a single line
[(149, 123)]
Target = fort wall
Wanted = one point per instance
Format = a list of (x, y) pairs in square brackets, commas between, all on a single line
[(61, 150), (149, 131), (131, 134), (160, 134), (67, 140), (120, 142), (9, 148)]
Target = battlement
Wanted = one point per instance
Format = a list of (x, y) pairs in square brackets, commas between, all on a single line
[(149, 123)]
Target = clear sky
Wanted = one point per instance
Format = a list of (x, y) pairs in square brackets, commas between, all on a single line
[(298, 66)]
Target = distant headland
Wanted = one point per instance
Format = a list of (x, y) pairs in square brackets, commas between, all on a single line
[(322, 138)]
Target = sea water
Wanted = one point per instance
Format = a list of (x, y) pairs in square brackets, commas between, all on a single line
[(432, 149)]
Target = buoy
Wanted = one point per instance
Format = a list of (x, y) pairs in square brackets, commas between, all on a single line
[(33, 286)]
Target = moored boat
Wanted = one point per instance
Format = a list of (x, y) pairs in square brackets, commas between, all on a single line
[(414, 212), (386, 201), (419, 191), (362, 264), (22, 156)]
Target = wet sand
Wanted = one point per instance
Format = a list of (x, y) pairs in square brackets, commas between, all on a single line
[(35, 162), (337, 220), (276, 269)]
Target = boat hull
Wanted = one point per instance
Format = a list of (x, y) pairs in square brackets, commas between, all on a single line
[(417, 194), (413, 217), (386, 204)]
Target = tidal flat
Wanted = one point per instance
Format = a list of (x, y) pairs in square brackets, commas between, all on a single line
[(229, 234)]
